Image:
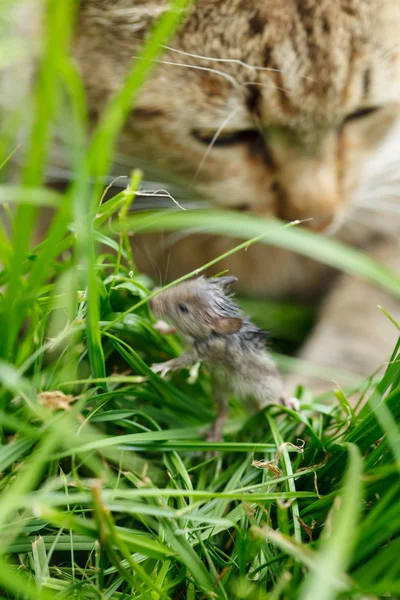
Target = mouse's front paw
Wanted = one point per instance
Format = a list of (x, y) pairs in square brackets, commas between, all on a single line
[(161, 368), (290, 402), (164, 328)]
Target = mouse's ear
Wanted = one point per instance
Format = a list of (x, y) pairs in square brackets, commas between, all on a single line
[(224, 281), (228, 326)]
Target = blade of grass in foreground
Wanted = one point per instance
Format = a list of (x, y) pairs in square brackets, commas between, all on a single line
[(291, 486), (58, 17), (34, 196), (189, 557), (110, 539), (340, 535), (59, 499), (21, 585), (317, 247), (28, 477)]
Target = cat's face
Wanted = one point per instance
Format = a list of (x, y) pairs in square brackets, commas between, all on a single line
[(269, 106)]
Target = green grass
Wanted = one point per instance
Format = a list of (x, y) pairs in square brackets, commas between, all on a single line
[(113, 496)]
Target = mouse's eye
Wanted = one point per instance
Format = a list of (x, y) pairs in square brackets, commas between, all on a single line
[(183, 308)]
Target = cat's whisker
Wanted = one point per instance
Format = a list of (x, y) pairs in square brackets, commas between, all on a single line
[(384, 177), (156, 266), (168, 262), (235, 61), (376, 227), (56, 173), (386, 194), (224, 60), (160, 194), (382, 207), (109, 186), (149, 259), (232, 80), (211, 144)]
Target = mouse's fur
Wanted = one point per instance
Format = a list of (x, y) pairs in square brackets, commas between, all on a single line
[(221, 336)]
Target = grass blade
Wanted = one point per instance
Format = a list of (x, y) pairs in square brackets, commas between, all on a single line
[(337, 545)]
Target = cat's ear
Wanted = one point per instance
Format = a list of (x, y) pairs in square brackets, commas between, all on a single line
[(224, 281), (227, 326)]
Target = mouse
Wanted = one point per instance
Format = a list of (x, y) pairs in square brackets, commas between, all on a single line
[(218, 334)]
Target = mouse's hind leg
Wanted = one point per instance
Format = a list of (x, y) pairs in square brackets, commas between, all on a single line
[(221, 397)]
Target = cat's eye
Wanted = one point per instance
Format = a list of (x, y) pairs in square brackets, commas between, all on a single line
[(361, 114), (183, 308), (224, 138)]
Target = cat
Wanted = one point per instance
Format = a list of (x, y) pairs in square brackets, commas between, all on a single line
[(279, 108)]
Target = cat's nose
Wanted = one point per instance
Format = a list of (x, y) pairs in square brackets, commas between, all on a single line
[(309, 194), (319, 224)]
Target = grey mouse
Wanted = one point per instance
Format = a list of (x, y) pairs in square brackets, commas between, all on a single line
[(218, 334)]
